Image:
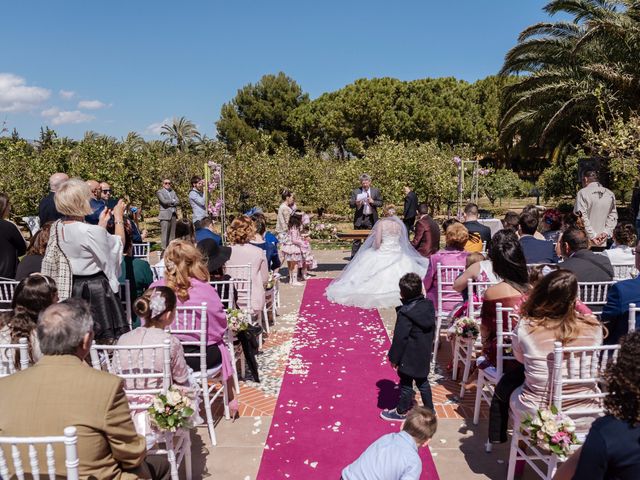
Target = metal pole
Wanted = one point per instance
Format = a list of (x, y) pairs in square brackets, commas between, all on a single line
[(223, 207)]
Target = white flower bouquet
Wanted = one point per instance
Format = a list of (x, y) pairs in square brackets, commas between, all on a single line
[(464, 327), (172, 411), (238, 320), (551, 430)]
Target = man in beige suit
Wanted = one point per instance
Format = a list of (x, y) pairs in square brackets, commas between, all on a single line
[(62, 390)]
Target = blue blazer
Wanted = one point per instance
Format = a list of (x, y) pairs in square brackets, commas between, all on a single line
[(615, 314), (538, 251)]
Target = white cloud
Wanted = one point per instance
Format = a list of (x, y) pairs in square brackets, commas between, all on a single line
[(16, 96), (91, 104), (60, 117), (66, 94), (156, 128)]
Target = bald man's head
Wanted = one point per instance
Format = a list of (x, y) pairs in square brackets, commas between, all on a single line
[(56, 180), (95, 188)]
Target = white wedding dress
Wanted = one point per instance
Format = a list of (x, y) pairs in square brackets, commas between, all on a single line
[(371, 279)]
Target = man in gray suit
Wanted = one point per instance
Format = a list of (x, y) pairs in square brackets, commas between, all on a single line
[(168, 212), (366, 201)]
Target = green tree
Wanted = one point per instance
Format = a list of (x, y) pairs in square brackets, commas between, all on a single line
[(500, 184), (180, 133)]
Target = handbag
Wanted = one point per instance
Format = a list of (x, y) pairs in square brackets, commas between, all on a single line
[(56, 265)]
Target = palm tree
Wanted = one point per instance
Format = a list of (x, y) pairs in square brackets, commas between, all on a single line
[(571, 71), (180, 132)]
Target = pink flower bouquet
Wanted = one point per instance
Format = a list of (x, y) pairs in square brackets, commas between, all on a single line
[(551, 430)]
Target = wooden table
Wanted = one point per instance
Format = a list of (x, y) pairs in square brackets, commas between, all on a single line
[(353, 234)]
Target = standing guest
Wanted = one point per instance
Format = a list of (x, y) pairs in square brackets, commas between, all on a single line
[(456, 237), (241, 232), (598, 207), (479, 234), (410, 208), (510, 221), (61, 390), (427, 233), (96, 202), (615, 314), (196, 200), (32, 296), (284, 212), (548, 316), (94, 257), (410, 352), (12, 244), (106, 195), (394, 456), (47, 210), (205, 230), (622, 251), (551, 225), (32, 261), (535, 251), (365, 200), (168, 212), (260, 241), (612, 447), (587, 265)]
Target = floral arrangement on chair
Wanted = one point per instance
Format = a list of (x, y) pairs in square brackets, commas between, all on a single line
[(238, 320), (172, 411), (464, 327), (551, 430)]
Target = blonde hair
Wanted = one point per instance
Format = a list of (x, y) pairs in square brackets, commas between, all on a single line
[(389, 210), (183, 261), (457, 236), (241, 231), (72, 198)]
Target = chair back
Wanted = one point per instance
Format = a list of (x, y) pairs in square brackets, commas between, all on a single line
[(484, 248), (9, 352), (192, 322), (138, 366), (633, 312), (506, 318), (241, 277), (475, 293), (577, 372), (225, 289), (141, 250), (158, 272), (7, 288), (594, 294), (624, 271), (125, 299), (31, 445), (445, 276)]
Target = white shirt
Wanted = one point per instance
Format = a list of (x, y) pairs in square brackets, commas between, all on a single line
[(91, 249), (367, 207)]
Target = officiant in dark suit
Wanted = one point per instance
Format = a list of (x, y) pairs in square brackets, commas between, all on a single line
[(366, 201)]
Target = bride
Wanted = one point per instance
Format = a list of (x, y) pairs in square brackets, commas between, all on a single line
[(371, 279)]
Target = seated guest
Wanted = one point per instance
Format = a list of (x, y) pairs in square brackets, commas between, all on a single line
[(241, 232), (47, 209), (139, 236), (615, 314), (624, 241), (535, 251), (456, 237), (548, 316), (551, 224), (216, 256), (260, 241), (588, 266), (32, 261), (478, 233), (185, 231), (12, 244), (510, 221), (426, 239), (533, 210), (32, 296), (205, 230), (61, 390), (612, 447)]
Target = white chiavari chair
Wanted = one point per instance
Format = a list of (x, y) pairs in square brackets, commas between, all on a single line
[(125, 299), (576, 375), (137, 366), (142, 250), (445, 276), (225, 289), (594, 294), (241, 275), (9, 352), (30, 447), (7, 288), (190, 325), (158, 271), (633, 314), (624, 271), (484, 248)]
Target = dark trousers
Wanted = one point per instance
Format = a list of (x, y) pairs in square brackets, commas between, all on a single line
[(407, 394), (499, 410), (409, 223), (366, 223), (158, 467)]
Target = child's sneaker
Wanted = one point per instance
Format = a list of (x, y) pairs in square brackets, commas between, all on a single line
[(392, 416)]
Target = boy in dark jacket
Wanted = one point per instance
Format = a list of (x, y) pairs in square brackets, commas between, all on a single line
[(410, 351)]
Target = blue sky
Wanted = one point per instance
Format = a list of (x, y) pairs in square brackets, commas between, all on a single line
[(118, 66)]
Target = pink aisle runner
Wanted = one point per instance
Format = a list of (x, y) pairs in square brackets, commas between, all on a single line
[(336, 383)]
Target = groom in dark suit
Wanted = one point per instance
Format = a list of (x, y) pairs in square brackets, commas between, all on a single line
[(366, 201)]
